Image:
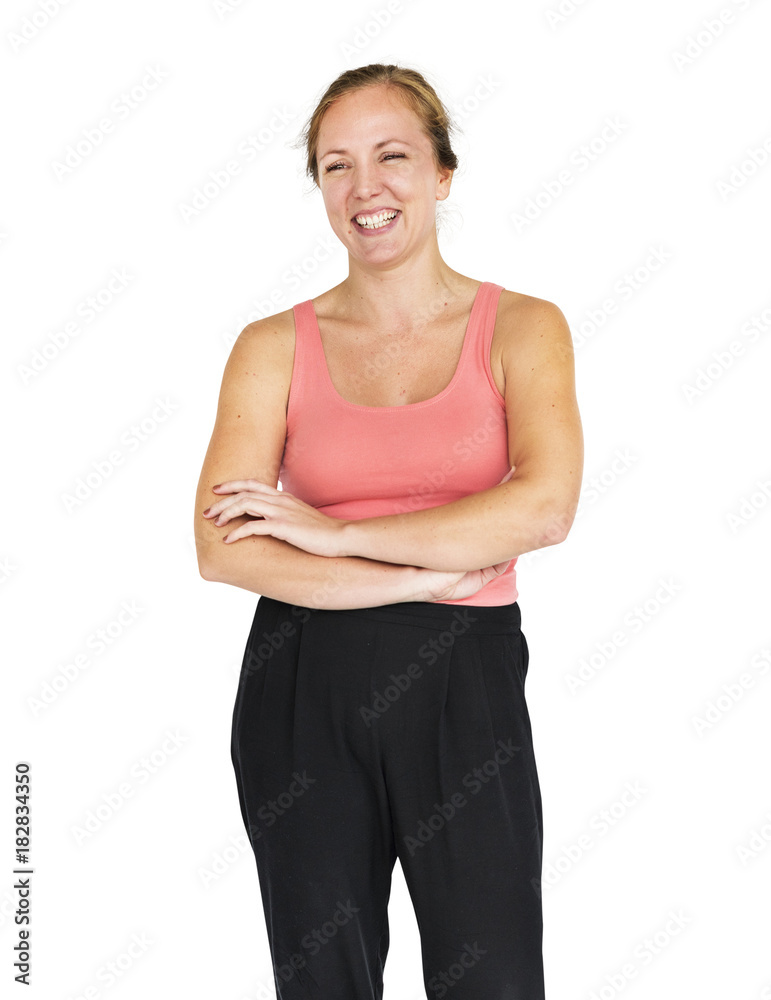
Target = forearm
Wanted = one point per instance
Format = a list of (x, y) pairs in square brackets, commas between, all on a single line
[(476, 531), (270, 566)]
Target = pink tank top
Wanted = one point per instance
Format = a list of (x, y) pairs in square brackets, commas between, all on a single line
[(352, 461)]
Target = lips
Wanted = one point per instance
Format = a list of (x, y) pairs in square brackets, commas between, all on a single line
[(375, 211), (382, 227)]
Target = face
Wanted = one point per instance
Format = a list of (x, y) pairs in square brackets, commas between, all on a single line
[(373, 157)]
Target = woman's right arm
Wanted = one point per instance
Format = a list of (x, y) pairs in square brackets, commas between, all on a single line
[(248, 442)]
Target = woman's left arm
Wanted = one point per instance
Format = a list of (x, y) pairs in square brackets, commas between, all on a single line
[(533, 508), (537, 506)]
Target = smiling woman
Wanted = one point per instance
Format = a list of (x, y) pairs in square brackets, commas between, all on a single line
[(424, 428)]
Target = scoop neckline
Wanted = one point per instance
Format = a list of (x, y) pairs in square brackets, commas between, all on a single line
[(404, 406)]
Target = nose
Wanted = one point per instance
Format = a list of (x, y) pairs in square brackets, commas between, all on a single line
[(366, 181)]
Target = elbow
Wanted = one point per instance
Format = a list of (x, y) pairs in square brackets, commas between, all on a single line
[(206, 571), (555, 527), (206, 567)]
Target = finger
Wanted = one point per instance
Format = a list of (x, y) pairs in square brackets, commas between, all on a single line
[(220, 505), (245, 503), (234, 486), (250, 528), (240, 485), (225, 502)]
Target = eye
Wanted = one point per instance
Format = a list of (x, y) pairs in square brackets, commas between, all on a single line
[(386, 156)]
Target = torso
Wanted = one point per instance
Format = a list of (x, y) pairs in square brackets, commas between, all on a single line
[(370, 368)]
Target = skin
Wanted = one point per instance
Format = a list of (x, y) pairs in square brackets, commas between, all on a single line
[(471, 540)]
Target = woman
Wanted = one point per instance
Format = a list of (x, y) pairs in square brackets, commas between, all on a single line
[(431, 435)]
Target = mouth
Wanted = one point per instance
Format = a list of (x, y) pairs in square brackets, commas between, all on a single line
[(377, 222)]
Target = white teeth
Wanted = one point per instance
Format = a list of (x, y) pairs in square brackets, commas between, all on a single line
[(375, 221)]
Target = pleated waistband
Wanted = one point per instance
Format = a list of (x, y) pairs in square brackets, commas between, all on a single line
[(482, 619)]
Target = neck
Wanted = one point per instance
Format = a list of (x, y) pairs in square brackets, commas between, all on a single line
[(406, 295)]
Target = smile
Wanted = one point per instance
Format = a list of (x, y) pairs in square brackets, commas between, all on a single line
[(382, 220)]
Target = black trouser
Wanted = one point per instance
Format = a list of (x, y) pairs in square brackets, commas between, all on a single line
[(395, 731)]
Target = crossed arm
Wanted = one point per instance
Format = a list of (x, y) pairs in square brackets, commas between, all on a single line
[(533, 509)]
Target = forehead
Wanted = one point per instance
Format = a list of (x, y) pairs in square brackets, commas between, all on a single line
[(363, 115)]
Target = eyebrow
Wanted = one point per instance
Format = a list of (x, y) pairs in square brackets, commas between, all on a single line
[(378, 145)]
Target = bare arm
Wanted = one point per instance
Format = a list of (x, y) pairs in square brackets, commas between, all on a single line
[(269, 566), (249, 434), (537, 506)]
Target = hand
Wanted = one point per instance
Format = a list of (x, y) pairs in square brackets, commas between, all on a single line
[(276, 513), (452, 585)]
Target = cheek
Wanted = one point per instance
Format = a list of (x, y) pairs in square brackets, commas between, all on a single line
[(334, 204)]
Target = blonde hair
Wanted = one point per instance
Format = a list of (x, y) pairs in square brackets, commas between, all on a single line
[(417, 93)]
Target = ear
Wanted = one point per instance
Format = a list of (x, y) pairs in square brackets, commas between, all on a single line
[(443, 182)]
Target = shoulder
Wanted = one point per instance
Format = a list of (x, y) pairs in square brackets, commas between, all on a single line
[(261, 360), (267, 343), (534, 348), (269, 332), (525, 312), (528, 325)]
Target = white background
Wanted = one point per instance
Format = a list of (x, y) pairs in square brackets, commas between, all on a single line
[(686, 504)]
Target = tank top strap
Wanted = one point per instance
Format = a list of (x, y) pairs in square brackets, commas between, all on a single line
[(309, 360), (477, 369)]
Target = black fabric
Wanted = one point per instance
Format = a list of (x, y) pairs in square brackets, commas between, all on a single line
[(364, 735)]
